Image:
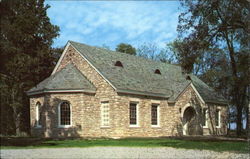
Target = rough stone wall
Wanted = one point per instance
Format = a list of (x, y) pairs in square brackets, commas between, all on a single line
[(169, 117), (190, 98), (212, 128), (186, 99), (33, 101), (86, 109), (86, 117), (104, 90)]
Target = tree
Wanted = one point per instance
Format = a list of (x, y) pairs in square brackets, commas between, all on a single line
[(188, 53), (153, 52), (148, 50), (219, 24), (26, 54), (126, 48)]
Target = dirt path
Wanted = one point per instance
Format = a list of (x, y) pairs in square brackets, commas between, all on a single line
[(115, 152)]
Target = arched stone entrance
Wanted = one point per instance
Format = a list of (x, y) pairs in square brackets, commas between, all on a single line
[(191, 125)]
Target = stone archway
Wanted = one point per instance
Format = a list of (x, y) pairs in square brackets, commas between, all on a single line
[(190, 121)]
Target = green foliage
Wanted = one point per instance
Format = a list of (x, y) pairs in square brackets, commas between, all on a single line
[(216, 32), (187, 52), (26, 56), (126, 48), (129, 142)]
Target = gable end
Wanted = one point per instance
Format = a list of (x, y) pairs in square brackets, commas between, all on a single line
[(60, 59), (183, 92), (85, 58)]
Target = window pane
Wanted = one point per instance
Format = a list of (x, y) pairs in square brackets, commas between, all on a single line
[(204, 118), (105, 114), (154, 115), (40, 116), (132, 115), (217, 118), (65, 113)]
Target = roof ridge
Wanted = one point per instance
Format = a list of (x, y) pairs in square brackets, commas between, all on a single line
[(128, 55)]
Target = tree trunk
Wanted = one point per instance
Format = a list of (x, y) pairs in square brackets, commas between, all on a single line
[(211, 117), (239, 120), (229, 121), (247, 119), (16, 113), (236, 92), (16, 121)]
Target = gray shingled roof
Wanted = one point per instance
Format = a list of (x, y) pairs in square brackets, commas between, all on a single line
[(137, 74), (69, 78), (206, 92)]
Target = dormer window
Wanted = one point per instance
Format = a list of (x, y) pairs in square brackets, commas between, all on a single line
[(118, 63), (188, 77), (157, 71)]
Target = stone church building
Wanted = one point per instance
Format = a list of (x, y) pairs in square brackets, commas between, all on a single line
[(94, 92)]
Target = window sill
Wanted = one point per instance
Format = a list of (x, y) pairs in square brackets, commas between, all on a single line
[(64, 126), (134, 126), (155, 126), (105, 127), (38, 126)]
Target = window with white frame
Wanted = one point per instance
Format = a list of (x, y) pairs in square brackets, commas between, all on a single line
[(155, 115), (38, 122), (64, 114), (133, 114), (205, 117), (217, 118), (104, 114)]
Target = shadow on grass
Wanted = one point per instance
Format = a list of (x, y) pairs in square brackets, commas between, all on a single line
[(233, 146), (23, 141), (31, 142)]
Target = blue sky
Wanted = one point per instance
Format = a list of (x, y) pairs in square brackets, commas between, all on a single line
[(109, 23)]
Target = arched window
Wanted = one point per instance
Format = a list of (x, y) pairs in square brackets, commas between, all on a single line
[(157, 71), (64, 114), (118, 63), (38, 115)]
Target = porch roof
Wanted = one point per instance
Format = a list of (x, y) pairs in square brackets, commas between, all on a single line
[(69, 79)]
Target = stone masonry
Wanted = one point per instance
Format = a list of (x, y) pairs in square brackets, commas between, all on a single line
[(86, 110)]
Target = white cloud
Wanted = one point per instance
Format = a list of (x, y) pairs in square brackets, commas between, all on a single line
[(114, 22)]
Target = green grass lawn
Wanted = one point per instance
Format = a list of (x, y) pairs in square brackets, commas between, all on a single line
[(241, 147)]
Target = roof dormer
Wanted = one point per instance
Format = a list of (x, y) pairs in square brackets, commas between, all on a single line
[(157, 71), (188, 77), (119, 64)]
